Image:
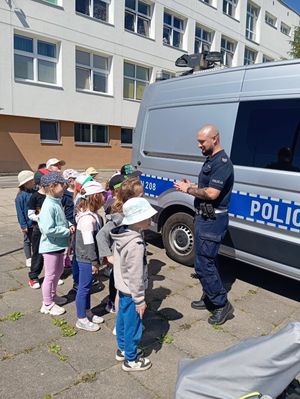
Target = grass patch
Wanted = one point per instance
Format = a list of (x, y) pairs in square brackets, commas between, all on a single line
[(166, 339), (89, 377), (185, 326), (217, 327), (252, 292), (1, 335), (66, 329), (48, 396), (8, 356), (12, 316), (54, 348), (29, 349)]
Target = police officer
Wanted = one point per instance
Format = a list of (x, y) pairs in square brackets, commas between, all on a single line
[(212, 197)]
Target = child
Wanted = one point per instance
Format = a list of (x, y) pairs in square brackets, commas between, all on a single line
[(34, 208), (55, 237), (88, 224), (67, 202), (130, 272), (26, 185), (122, 191)]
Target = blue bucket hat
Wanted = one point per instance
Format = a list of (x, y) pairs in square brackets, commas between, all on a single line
[(52, 178)]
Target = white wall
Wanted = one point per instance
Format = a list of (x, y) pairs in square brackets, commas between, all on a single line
[(71, 30)]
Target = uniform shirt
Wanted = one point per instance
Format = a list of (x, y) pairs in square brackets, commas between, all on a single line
[(217, 172)]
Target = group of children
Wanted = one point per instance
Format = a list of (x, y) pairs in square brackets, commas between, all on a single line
[(58, 215)]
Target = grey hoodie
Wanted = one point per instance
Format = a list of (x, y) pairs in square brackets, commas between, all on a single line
[(104, 240), (130, 267)]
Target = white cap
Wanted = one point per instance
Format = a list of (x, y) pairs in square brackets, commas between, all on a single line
[(24, 176), (54, 161), (92, 187), (70, 173), (136, 210)]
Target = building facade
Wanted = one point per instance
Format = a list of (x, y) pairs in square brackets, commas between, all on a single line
[(73, 72)]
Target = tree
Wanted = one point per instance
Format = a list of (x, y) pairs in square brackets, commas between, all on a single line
[(295, 43)]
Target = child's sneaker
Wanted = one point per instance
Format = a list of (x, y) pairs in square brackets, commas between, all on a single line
[(34, 283), (94, 318), (53, 309), (60, 282), (60, 300), (120, 355), (139, 364), (68, 263), (28, 262), (85, 324), (110, 307)]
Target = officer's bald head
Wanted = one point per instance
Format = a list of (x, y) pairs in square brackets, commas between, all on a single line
[(208, 138)]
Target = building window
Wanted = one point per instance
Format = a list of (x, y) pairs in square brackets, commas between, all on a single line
[(227, 51), (49, 131), (252, 16), (203, 39), (249, 56), (85, 133), (207, 2), (126, 136), (173, 30), (285, 29), (55, 2), (270, 19), (35, 60), (137, 17), (92, 72), (229, 7), (267, 59), (98, 9), (136, 78), (258, 140)]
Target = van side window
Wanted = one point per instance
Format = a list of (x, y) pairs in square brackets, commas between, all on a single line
[(267, 135)]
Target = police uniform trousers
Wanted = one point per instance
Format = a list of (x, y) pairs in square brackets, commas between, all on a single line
[(208, 236)]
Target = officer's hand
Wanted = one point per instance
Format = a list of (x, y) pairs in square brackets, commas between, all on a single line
[(182, 185)]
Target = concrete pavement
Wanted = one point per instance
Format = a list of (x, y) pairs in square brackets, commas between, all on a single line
[(38, 361)]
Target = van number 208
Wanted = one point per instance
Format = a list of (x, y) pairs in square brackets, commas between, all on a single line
[(149, 186)]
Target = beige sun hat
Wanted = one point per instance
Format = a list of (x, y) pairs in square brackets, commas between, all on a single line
[(91, 171), (25, 176)]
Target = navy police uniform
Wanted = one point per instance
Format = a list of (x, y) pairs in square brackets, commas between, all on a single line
[(217, 172)]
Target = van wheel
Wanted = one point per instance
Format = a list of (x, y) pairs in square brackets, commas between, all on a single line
[(178, 238)]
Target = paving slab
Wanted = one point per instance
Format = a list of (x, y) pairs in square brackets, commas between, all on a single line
[(8, 283)]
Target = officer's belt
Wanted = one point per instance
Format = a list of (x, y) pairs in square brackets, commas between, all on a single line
[(199, 212)]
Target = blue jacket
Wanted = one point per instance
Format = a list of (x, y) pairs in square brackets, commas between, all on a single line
[(68, 205), (53, 226), (21, 201)]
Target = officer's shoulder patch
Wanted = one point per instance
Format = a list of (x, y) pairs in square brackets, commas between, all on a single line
[(224, 160)]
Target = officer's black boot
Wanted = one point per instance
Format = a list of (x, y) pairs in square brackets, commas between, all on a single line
[(203, 303), (220, 315)]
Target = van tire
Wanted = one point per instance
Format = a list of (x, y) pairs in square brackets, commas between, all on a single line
[(178, 238)]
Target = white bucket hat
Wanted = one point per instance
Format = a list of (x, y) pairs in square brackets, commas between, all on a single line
[(136, 210), (24, 176), (92, 187), (54, 161)]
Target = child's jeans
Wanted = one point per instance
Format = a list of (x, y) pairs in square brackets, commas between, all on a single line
[(75, 271), (129, 327), (54, 266), (37, 260), (83, 296), (27, 243)]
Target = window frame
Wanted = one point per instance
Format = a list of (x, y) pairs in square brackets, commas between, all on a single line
[(36, 57), (173, 28), (132, 132), (138, 15), (135, 79), (46, 141), (250, 51), (93, 70), (91, 10), (91, 142), (252, 15), (285, 26), (266, 58), (228, 4), (202, 42), (270, 20), (226, 51)]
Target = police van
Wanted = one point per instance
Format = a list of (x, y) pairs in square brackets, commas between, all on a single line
[(257, 109)]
